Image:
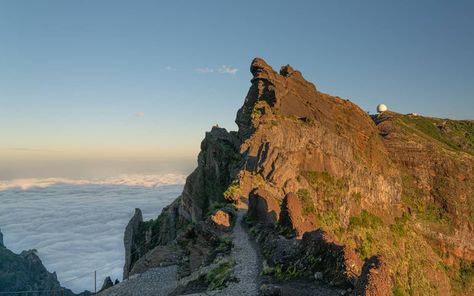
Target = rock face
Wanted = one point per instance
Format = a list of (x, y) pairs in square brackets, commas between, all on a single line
[(25, 272), (107, 284), (130, 241), (1, 238), (298, 139), (329, 187), (375, 279), (436, 157)]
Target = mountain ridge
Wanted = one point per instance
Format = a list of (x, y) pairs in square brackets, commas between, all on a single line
[(372, 205)]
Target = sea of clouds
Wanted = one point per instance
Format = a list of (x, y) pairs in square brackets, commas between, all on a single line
[(77, 225)]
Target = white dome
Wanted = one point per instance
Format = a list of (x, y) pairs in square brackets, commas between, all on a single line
[(381, 108)]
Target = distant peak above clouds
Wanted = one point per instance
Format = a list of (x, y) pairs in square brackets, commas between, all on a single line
[(126, 180)]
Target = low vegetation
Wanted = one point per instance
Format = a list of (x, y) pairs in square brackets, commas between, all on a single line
[(217, 278), (455, 134), (306, 201), (282, 273)]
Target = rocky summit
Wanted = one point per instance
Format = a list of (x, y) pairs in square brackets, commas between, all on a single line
[(313, 196)]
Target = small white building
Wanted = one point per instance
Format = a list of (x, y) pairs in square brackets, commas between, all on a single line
[(381, 108)]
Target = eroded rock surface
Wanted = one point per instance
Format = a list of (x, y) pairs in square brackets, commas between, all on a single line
[(328, 187)]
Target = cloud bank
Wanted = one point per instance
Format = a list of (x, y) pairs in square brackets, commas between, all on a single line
[(129, 180), (77, 225)]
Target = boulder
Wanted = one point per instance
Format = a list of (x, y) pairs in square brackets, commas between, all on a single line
[(263, 208), (339, 264), (291, 215), (221, 218)]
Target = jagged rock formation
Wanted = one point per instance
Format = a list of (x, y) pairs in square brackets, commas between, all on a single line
[(1, 239), (131, 248), (329, 187), (107, 284), (25, 272)]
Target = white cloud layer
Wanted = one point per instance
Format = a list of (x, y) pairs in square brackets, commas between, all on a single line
[(77, 225), (129, 180)]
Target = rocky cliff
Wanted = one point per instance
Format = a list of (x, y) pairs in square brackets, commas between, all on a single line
[(372, 205), (25, 272)]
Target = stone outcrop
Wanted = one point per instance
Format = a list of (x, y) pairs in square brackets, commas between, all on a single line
[(339, 264), (375, 279), (292, 217), (263, 207), (221, 219), (130, 242), (1, 238), (107, 284)]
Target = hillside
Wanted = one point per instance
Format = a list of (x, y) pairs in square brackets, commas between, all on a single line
[(338, 201), (25, 272)]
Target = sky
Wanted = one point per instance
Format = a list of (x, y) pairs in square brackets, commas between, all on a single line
[(95, 88)]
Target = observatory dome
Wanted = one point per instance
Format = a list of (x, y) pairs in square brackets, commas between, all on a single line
[(381, 108)]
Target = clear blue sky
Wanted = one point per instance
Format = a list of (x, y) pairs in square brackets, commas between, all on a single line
[(128, 79)]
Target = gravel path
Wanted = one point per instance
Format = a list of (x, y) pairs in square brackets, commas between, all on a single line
[(145, 284), (247, 267), (245, 256), (246, 271)]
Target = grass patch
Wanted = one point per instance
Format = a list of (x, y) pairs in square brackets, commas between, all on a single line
[(465, 276), (217, 278), (225, 245), (365, 220), (306, 202), (232, 190), (332, 189), (281, 273)]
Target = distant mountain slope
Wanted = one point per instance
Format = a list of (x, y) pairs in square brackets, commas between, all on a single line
[(25, 272)]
